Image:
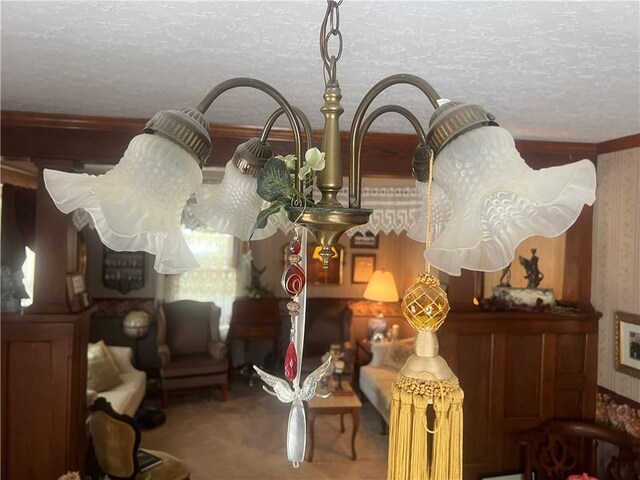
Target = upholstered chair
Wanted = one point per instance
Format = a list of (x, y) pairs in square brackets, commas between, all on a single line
[(116, 440), (192, 354)]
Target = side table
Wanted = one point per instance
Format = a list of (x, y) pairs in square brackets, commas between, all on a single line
[(341, 404)]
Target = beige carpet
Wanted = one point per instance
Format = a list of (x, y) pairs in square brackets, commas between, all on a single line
[(244, 438)]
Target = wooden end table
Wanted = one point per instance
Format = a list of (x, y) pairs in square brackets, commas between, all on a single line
[(335, 405)]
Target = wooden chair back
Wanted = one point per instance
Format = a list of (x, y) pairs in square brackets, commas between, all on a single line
[(559, 448)]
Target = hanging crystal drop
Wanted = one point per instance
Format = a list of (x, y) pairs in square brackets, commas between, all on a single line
[(291, 363), (293, 279)]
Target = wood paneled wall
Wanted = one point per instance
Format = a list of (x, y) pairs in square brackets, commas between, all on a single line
[(518, 369)]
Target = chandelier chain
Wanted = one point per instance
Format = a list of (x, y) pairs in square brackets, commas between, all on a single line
[(331, 28)]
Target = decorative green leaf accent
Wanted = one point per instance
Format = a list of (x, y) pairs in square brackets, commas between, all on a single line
[(263, 216), (274, 182)]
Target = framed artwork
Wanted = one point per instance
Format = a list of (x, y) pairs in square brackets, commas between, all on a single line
[(365, 240), (627, 343), (362, 267), (77, 292), (316, 275)]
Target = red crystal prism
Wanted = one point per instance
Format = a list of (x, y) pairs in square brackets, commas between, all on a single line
[(293, 279), (294, 247), (291, 363)]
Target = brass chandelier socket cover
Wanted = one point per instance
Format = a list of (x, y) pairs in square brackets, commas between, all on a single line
[(328, 224), (420, 163), (251, 156), (186, 127), (455, 118)]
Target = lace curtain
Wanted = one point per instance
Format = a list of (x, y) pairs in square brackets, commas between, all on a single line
[(215, 280)]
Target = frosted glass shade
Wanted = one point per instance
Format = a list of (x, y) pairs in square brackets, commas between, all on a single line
[(136, 206), (440, 213), (497, 200), (232, 206), (381, 287)]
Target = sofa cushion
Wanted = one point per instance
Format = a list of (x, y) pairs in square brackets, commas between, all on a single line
[(397, 354), (102, 372)]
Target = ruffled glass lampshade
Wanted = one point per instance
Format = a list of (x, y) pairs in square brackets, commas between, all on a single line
[(231, 207), (137, 205), (440, 212), (497, 200)]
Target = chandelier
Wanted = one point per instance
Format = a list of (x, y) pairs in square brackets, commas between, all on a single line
[(486, 199)]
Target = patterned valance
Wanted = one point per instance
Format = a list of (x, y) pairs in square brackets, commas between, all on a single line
[(393, 210)]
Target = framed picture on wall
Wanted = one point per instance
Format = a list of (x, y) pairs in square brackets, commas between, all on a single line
[(365, 240), (362, 267), (627, 343)]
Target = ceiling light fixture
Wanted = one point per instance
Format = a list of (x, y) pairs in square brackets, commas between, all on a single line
[(486, 198)]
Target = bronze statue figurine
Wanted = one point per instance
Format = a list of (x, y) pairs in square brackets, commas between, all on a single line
[(533, 276)]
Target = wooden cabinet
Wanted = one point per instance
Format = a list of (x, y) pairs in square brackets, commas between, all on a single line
[(44, 378), (518, 369)]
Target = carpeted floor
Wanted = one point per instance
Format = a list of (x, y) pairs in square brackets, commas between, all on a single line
[(244, 438)]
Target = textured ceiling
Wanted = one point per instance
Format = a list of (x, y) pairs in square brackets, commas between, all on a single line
[(548, 70)]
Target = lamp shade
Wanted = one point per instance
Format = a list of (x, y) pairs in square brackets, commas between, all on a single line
[(440, 212), (137, 205), (497, 200), (381, 287), (136, 324), (233, 205)]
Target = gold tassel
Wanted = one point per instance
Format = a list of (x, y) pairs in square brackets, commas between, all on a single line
[(393, 429), (419, 442), (441, 439), (455, 468)]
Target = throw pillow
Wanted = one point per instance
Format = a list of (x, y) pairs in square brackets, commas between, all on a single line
[(102, 372), (398, 353)]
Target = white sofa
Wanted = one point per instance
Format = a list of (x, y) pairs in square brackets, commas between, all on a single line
[(376, 380), (126, 397)]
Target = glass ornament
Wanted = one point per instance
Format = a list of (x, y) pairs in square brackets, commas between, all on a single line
[(425, 305), (497, 200), (293, 279), (291, 362), (137, 205)]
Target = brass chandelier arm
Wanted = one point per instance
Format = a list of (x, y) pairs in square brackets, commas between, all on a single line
[(222, 87), (304, 120), (401, 78), (355, 179)]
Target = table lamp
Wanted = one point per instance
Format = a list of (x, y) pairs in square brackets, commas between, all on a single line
[(381, 288)]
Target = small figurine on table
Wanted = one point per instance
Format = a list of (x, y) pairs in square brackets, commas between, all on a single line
[(533, 276), (505, 279)]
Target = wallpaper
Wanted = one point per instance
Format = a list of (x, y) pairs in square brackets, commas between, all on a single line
[(616, 259)]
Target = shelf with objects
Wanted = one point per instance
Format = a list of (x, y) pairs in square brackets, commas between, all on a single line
[(123, 271)]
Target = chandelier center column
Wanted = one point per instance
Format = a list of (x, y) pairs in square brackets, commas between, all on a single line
[(330, 179)]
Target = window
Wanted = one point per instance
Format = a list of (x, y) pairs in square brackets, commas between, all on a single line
[(28, 269), (215, 280)]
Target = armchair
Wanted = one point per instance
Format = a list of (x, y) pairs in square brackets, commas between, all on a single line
[(192, 354), (559, 448), (115, 439)]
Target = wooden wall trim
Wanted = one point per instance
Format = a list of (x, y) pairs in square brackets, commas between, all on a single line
[(617, 144), (17, 177), (92, 139)]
